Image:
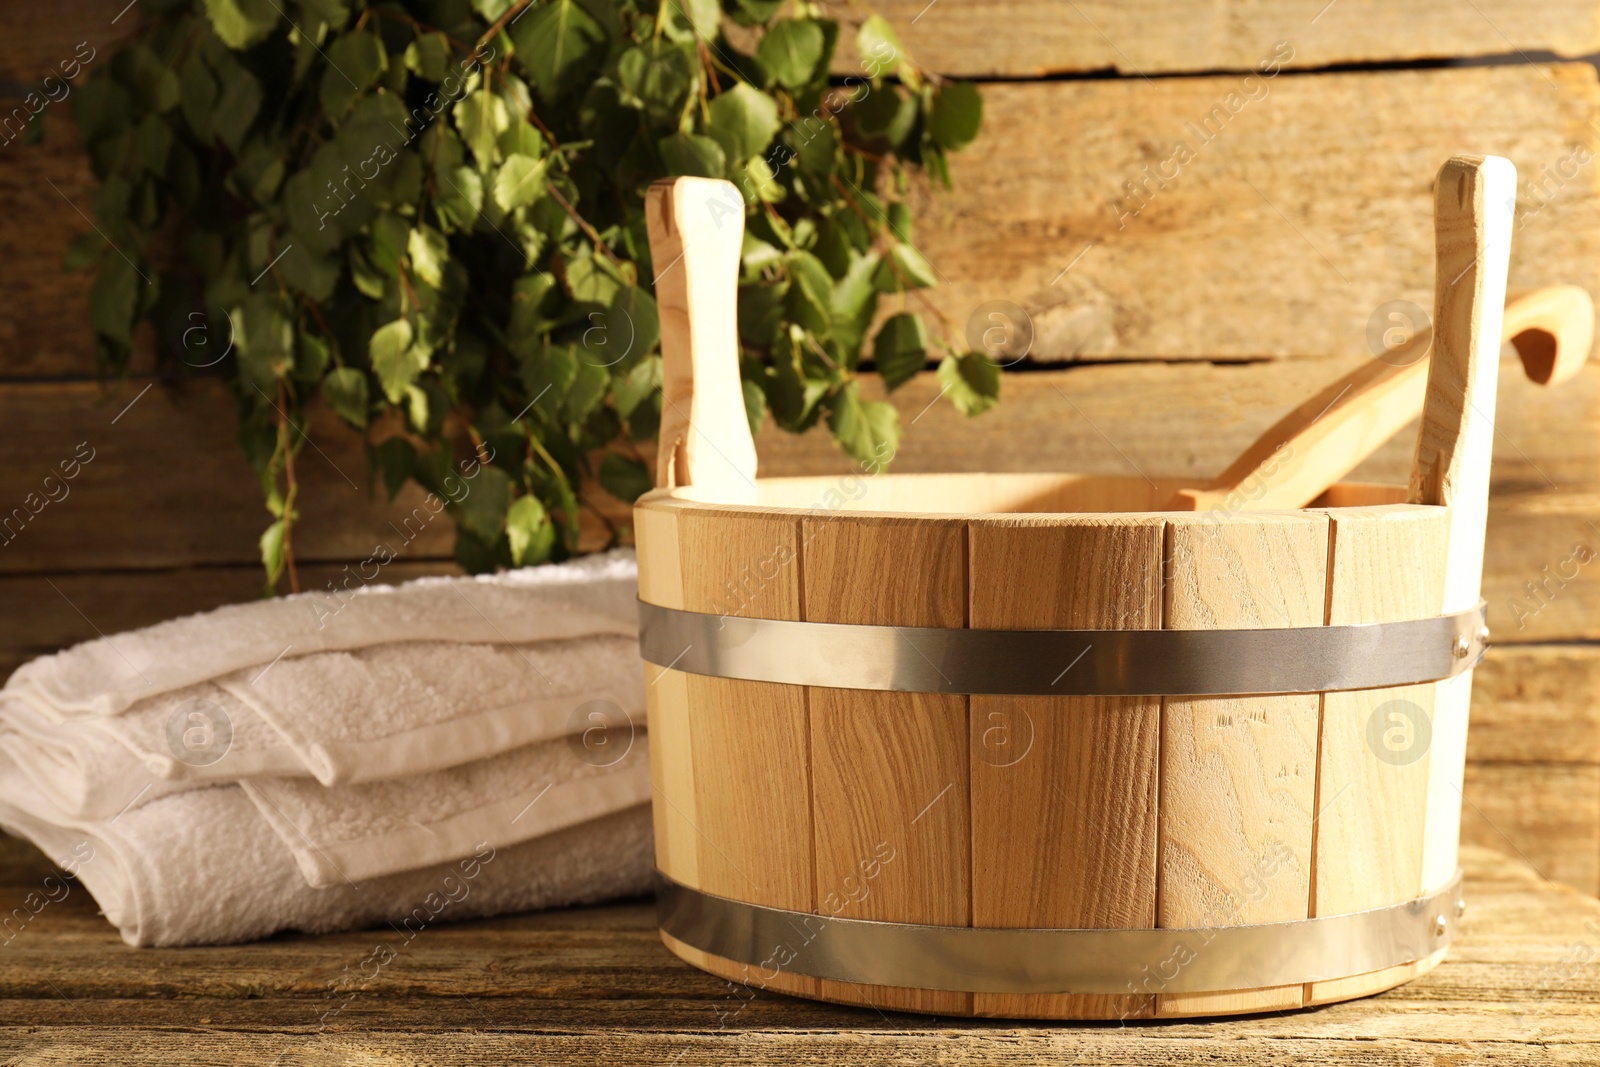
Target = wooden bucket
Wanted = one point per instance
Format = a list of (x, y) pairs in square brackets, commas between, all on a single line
[(1026, 745)]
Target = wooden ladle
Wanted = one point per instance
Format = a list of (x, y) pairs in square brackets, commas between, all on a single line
[(1328, 436)]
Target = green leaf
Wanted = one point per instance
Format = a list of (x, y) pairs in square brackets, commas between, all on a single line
[(396, 460), (481, 117), (482, 512), (755, 404), (818, 147), (881, 52), (757, 12), (868, 431), (311, 356), (396, 360), (529, 532), (659, 74), (904, 269), (557, 45), (345, 390), (589, 387), (520, 138), (971, 381), (273, 556), (458, 198), (236, 108), (242, 23), (519, 181), (391, 236), (427, 57), (957, 113), (428, 252), (114, 299), (810, 292), (624, 478), (744, 121), (637, 386), (592, 280), (632, 328), (692, 155), (705, 16), (758, 179), (535, 302), (791, 50), (417, 408), (304, 271), (762, 309), (334, 12), (900, 222), (854, 295), (901, 349), (886, 112), (155, 85), (197, 94), (152, 144), (355, 61), (547, 373), (263, 340)]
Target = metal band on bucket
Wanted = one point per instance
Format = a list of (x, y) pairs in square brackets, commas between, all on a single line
[(916, 659), (983, 960)]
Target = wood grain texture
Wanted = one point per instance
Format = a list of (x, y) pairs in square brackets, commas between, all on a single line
[(889, 770), (1386, 563), (1287, 240), (1536, 704), (667, 705), (749, 741), (1027, 38), (38, 36), (1064, 788), (1545, 814), (593, 985), (1238, 774)]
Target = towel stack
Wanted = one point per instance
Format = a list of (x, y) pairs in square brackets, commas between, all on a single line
[(338, 759)]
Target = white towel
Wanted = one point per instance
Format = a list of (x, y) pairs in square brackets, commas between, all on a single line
[(351, 833), (311, 763), (589, 596), (202, 868), (338, 717)]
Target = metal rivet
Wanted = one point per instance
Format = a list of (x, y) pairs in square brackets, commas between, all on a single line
[(1461, 908), (1483, 635), (1440, 926), (1462, 646)]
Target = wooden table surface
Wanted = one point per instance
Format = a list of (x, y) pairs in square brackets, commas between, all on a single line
[(593, 986)]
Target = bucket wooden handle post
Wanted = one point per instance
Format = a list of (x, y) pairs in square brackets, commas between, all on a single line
[(1473, 205), (696, 228), (1472, 230)]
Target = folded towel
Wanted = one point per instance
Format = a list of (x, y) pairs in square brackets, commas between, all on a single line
[(202, 868), (317, 762), (354, 832), (356, 716), (589, 596)]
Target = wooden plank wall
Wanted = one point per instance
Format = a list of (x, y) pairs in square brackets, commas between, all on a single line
[(1197, 241)]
